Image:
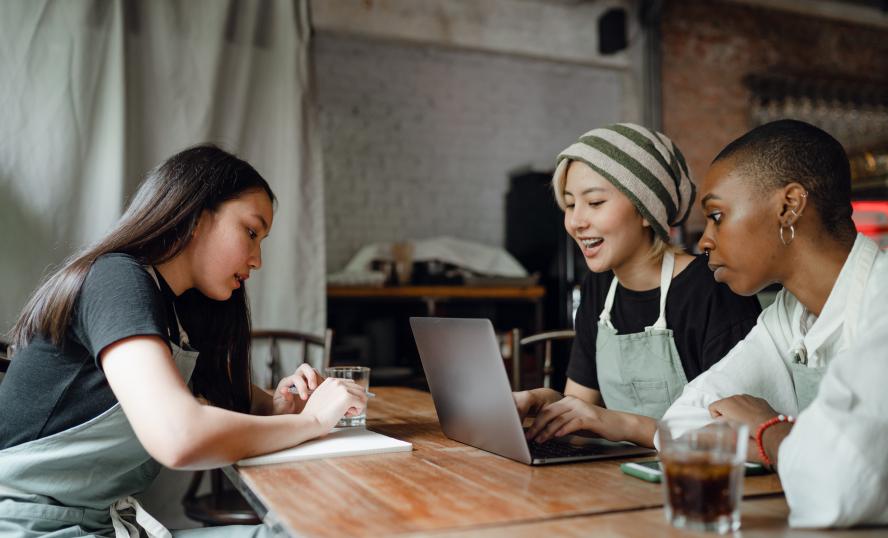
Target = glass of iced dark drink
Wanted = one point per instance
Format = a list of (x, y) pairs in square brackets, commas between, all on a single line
[(703, 474)]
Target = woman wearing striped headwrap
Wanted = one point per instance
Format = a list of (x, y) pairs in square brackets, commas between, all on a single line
[(651, 317)]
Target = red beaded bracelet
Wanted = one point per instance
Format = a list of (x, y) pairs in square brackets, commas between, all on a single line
[(761, 430)]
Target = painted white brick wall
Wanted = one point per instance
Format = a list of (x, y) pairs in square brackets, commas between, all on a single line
[(418, 141)]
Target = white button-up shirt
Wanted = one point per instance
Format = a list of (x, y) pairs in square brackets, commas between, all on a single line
[(834, 463), (759, 364)]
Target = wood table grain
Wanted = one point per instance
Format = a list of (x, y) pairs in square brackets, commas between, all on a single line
[(444, 486), (762, 517)]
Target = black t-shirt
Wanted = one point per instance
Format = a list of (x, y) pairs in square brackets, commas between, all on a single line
[(706, 318), (49, 388)]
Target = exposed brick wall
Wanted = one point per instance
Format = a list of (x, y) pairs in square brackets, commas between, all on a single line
[(418, 141), (709, 46)]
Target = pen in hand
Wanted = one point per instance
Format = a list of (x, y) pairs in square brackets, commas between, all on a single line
[(294, 390)]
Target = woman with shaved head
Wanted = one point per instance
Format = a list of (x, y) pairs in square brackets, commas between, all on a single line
[(778, 207)]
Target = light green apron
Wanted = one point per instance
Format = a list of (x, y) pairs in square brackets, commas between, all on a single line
[(81, 481), (806, 378), (639, 373)]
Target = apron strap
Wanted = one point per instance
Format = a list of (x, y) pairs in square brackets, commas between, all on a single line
[(799, 351), (853, 303), (665, 280), (605, 316), (125, 529), (183, 336)]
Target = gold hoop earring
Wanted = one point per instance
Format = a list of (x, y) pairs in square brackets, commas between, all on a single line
[(791, 234)]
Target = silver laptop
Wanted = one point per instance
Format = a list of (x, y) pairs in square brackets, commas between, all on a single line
[(474, 402)]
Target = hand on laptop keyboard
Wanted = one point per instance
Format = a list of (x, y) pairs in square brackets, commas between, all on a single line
[(558, 449)]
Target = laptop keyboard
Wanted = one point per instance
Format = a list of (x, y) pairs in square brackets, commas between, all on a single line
[(555, 449)]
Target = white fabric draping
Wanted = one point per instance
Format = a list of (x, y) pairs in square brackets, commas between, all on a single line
[(95, 93)]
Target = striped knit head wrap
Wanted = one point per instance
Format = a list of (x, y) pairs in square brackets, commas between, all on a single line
[(643, 164)]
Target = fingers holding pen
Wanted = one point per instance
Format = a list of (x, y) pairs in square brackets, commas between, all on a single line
[(303, 382)]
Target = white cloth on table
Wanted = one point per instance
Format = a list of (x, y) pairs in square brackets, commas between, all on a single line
[(481, 259)]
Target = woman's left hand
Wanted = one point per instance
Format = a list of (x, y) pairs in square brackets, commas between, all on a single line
[(743, 408), (305, 379)]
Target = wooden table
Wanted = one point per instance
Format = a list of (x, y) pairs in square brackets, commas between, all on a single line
[(446, 487), (763, 517)]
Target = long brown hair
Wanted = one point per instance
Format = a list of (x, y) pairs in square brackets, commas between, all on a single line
[(157, 225)]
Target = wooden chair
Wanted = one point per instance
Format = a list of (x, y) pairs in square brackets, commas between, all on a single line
[(304, 340), (223, 505), (545, 338)]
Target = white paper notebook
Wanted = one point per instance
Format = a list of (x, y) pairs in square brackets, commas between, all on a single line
[(339, 442)]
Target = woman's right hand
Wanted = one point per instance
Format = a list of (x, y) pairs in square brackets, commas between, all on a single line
[(570, 415), (523, 402), (334, 399), (529, 402)]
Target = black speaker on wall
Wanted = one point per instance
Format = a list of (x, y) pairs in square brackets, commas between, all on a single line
[(612, 31)]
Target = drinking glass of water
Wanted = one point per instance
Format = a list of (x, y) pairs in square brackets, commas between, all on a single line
[(361, 376)]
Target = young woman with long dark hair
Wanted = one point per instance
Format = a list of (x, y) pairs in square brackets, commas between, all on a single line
[(116, 350)]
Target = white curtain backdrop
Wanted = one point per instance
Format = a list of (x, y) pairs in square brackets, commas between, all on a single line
[(93, 93)]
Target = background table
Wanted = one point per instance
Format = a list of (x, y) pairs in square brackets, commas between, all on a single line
[(371, 327), (431, 296)]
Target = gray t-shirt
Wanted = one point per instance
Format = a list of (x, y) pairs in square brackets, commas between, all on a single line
[(49, 388)]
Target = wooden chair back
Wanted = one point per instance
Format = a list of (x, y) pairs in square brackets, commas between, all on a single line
[(277, 338), (545, 339)]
